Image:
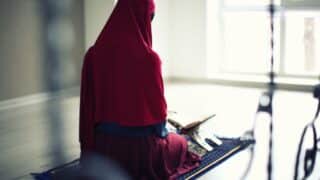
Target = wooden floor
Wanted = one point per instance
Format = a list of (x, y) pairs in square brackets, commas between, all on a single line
[(31, 141)]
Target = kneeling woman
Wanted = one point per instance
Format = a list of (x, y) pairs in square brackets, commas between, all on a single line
[(122, 105)]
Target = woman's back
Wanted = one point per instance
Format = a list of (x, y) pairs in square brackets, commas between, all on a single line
[(122, 87)]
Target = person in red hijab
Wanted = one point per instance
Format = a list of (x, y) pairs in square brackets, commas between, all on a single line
[(122, 105)]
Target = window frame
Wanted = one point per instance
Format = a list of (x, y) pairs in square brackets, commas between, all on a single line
[(280, 13)]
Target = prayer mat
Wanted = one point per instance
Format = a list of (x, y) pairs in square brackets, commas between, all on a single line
[(219, 154), (209, 160)]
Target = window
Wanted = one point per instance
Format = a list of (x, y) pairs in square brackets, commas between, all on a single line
[(244, 38), (302, 43)]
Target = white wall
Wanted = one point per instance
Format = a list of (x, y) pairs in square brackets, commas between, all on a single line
[(187, 34), (22, 47), (160, 31), (96, 14), (213, 37)]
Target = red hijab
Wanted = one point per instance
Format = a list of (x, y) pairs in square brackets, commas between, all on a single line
[(121, 76)]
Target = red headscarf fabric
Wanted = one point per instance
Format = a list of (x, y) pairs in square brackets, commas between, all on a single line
[(121, 76)]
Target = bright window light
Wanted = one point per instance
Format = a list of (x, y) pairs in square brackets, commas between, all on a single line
[(241, 43), (302, 43)]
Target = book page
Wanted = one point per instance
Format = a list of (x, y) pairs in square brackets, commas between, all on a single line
[(188, 120)]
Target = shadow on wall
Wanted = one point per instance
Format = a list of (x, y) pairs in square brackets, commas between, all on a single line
[(22, 49)]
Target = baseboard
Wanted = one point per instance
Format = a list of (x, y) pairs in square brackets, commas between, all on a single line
[(37, 98)]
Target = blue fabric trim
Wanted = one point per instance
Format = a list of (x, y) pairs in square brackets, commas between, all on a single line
[(159, 130)]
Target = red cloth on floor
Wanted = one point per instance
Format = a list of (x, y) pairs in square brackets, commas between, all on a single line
[(148, 158)]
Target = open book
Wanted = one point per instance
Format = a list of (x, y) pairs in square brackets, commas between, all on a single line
[(186, 123), (190, 126)]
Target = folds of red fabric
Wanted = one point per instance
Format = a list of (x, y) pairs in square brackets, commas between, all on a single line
[(148, 157), (122, 83)]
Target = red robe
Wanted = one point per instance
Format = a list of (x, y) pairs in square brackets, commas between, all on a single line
[(122, 83)]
